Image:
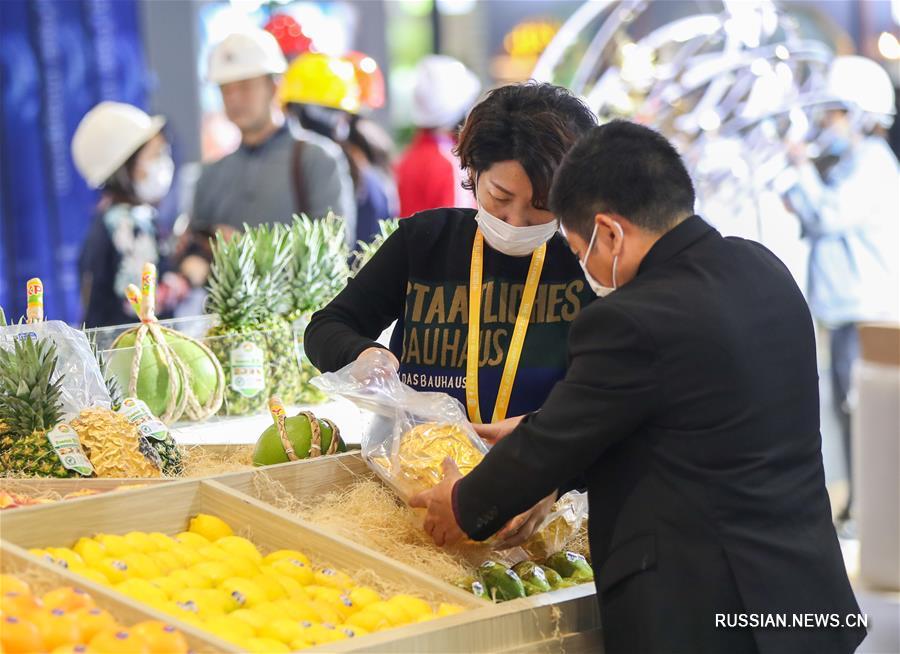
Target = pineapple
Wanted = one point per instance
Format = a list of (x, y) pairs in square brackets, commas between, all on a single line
[(238, 343), (318, 272), (113, 444), (272, 255), (30, 406), (366, 251)]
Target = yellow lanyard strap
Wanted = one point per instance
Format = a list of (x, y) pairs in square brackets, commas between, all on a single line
[(501, 405)]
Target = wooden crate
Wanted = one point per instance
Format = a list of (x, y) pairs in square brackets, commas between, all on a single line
[(44, 576), (546, 622)]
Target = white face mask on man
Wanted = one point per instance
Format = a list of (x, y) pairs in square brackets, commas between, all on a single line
[(597, 287), (512, 240), (157, 180)]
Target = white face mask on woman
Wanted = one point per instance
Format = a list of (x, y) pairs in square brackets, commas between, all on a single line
[(597, 287), (512, 240), (157, 180)]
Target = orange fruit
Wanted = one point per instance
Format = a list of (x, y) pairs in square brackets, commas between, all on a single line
[(11, 584), (67, 599), (57, 627), (119, 641), (19, 636), (94, 620), (162, 638), (71, 649), (17, 604)]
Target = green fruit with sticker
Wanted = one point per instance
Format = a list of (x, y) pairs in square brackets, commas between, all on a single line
[(552, 576), (270, 449), (472, 585), (155, 383), (501, 583), (533, 578), (572, 566)]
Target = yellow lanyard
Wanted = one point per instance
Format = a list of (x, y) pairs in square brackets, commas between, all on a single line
[(518, 338)]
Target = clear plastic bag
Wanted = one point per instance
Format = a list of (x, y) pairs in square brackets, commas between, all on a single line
[(560, 526), (82, 381), (413, 432)]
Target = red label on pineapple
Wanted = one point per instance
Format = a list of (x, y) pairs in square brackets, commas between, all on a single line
[(248, 375), (138, 414), (67, 446)]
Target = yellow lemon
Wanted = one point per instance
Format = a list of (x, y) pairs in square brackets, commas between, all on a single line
[(296, 570), (213, 553), (161, 541), (270, 610), (291, 587), (65, 554), (209, 526), (165, 561), (265, 646), (192, 540), (333, 579), (241, 547), (229, 629), (140, 542), (287, 554), (283, 630), (169, 585), (301, 611), (327, 613), (320, 634), (186, 555), (242, 567), (251, 617), (191, 579), (363, 596), (394, 614), (246, 593), (141, 565), (371, 621), (414, 606), (116, 546), (206, 603), (215, 571), (42, 554), (273, 590), (445, 609), (142, 591), (115, 570), (90, 550), (94, 575), (353, 632)]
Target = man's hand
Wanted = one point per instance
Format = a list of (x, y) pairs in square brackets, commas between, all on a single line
[(440, 522), (498, 430), (522, 527)]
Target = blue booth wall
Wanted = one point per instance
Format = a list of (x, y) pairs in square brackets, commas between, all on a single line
[(58, 59)]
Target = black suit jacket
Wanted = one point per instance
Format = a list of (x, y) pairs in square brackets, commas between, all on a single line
[(690, 411)]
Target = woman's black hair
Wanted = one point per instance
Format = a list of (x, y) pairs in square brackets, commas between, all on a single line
[(534, 123)]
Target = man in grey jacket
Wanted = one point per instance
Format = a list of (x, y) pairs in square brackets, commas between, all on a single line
[(276, 171)]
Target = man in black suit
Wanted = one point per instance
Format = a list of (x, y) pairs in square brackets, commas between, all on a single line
[(690, 411)]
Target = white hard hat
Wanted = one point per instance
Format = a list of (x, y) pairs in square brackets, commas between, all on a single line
[(107, 136), (444, 91), (245, 55), (861, 83)]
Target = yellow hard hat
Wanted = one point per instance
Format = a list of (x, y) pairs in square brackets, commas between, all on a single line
[(319, 79)]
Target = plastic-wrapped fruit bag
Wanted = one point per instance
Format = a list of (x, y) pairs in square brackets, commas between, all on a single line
[(82, 382), (559, 527), (413, 432)]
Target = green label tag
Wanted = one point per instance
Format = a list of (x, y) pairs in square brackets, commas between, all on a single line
[(67, 446), (248, 375), (138, 414)]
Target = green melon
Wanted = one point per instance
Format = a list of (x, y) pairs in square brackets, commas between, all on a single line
[(204, 377), (269, 449), (153, 379)]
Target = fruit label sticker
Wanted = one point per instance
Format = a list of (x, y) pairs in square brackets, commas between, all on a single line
[(65, 443), (138, 414), (248, 369)]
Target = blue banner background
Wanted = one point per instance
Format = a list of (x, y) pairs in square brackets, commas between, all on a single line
[(59, 58)]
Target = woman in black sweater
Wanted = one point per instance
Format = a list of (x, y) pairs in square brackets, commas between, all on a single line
[(483, 299)]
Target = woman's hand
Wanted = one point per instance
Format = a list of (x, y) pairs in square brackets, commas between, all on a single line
[(373, 363), (522, 527), (498, 430)]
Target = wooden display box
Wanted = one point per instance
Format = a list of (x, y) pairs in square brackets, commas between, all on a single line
[(545, 622), (43, 576)]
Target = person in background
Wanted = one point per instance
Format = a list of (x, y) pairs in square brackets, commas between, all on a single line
[(322, 93), (121, 150), (444, 266), (275, 173), (848, 202), (428, 172), (689, 410)]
